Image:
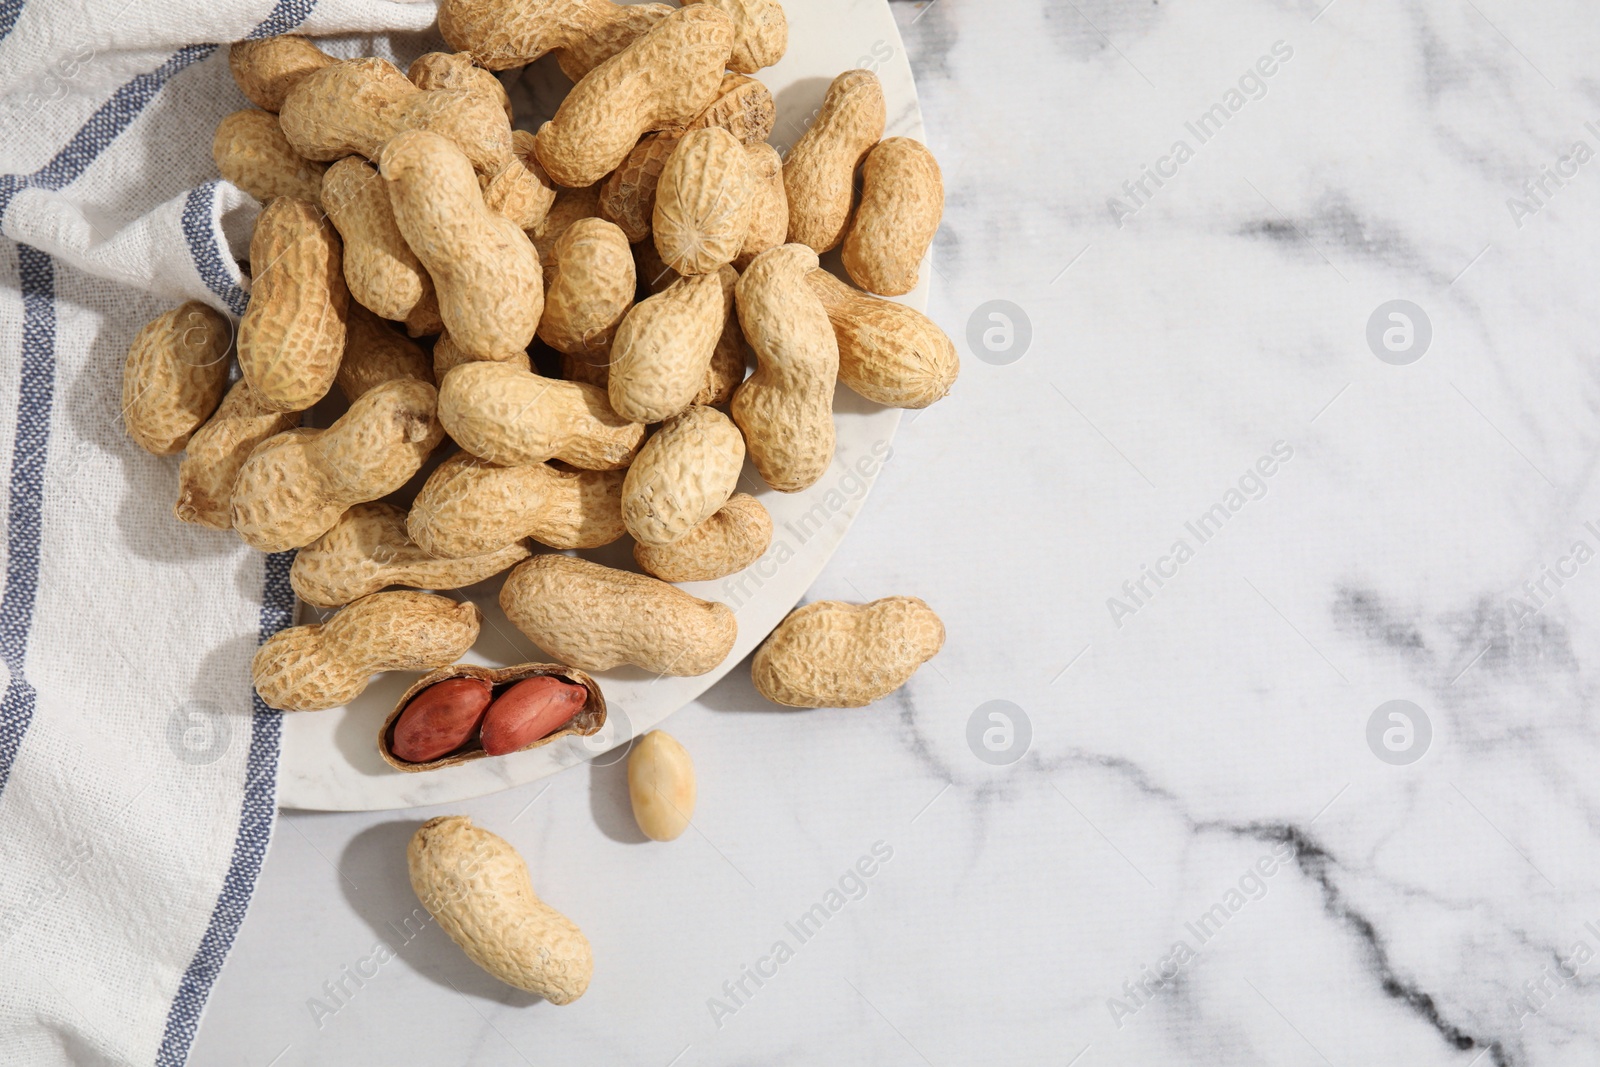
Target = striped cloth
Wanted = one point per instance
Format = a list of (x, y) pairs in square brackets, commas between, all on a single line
[(137, 768)]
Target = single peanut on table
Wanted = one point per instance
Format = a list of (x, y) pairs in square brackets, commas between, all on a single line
[(661, 786), (478, 888)]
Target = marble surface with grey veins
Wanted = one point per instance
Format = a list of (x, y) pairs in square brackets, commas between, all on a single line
[(1263, 520)]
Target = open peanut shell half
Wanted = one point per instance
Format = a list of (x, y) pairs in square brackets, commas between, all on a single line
[(587, 721)]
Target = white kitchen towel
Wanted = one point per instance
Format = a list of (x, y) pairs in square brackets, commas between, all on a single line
[(137, 768)]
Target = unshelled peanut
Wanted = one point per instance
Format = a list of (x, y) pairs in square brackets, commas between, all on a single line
[(470, 507), (501, 37), (724, 544), (902, 199), (323, 665), (446, 70), (596, 618), (375, 352), (506, 415), (357, 105), (368, 549), (889, 353), (268, 68), (703, 202), (294, 487), (491, 289), (381, 271), (683, 474), (760, 32), (819, 173), (293, 331), (477, 887), (218, 449), (834, 655), (174, 376), (769, 203), (664, 78), (251, 151), (590, 290), (662, 351), (786, 407)]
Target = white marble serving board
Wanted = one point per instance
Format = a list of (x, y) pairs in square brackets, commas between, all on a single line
[(330, 760)]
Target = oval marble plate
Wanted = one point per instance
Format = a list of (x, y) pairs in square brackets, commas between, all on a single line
[(330, 760)]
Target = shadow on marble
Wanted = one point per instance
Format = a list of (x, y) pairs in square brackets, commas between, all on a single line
[(609, 802), (377, 887)]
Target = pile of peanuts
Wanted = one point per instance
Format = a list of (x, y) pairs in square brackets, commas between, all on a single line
[(427, 260)]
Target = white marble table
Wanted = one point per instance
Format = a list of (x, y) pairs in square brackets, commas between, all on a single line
[(1211, 851)]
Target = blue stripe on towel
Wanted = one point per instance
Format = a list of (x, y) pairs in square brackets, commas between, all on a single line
[(198, 210), (9, 10), (249, 846), (103, 127), (29, 451)]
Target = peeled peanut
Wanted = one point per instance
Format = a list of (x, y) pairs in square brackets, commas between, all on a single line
[(470, 508), (661, 786), (731, 356), (760, 32), (786, 407), (478, 888), (368, 549), (902, 198), (294, 487), (683, 474), (819, 174), (383, 274), (292, 335), (661, 354), (528, 711), (501, 36), (769, 203), (596, 618), (490, 286), (441, 719), (251, 151), (835, 655), (216, 452), (309, 668), (445, 70), (703, 201), (889, 353), (354, 106), (728, 542), (375, 352), (590, 291), (664, 78), (175, 375), (506, 415), (268, 68)]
